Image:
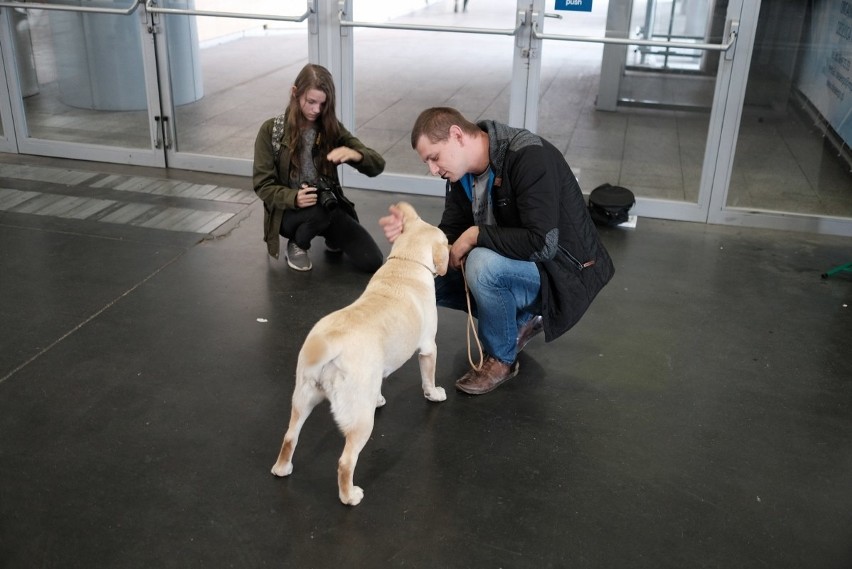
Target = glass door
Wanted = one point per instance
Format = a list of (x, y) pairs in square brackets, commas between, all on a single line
[(80, 81), (178, 83), (401, 58), (792, 168), (565, 74), (7, 131), (634, 93), (223, 73)]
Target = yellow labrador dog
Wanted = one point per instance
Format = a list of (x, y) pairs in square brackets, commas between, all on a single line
[(349, 352)]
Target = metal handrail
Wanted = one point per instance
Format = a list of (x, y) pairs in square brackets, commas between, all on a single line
[(424, 28), (149, 6), (627, 41), (66, 8)]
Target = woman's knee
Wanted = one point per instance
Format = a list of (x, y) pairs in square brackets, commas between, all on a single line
[(306, 223)]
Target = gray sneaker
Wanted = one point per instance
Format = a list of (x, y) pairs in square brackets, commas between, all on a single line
[(297, 258)]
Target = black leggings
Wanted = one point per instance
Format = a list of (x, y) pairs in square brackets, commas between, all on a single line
[(340, 231)]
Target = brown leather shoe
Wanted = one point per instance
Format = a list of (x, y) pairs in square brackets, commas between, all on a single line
[(493, 374), (528, 332)]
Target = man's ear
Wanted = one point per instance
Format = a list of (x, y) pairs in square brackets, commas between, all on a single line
[(457, 134)]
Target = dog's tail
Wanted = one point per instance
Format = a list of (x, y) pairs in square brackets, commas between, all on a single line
[(315, 354)]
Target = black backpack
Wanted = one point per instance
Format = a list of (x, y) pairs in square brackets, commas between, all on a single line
[(610, 205)]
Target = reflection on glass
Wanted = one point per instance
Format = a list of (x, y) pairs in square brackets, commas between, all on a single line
[(471, 72), (620, 124), (676, 76), (244, 68), (793, 151), (682, 21), (85, 83)]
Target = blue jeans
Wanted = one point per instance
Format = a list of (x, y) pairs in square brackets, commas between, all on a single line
[(505, 295)]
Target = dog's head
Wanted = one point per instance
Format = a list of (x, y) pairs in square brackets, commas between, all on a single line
[(417, 234)]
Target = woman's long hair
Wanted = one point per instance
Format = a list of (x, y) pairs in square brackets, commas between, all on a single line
[(328, 132)]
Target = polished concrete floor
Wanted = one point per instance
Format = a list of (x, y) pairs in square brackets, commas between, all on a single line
[(700, 415)]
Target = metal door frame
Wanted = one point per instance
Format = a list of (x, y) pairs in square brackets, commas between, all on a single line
[(404, 183), (331, 45), (8, 142), (719, 211), (158, 93), (670, 209), (524, 98), (200, 162), (77, 150)]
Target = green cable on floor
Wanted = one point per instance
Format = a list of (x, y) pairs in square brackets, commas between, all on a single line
[(839, 269)]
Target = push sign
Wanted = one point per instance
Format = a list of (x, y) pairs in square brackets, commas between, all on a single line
[(575, 5)]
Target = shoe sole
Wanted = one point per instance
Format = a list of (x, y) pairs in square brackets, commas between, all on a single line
[(300, 269)]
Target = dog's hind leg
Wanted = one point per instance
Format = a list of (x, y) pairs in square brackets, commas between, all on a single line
[(305, 398), (427, 375), (356, 437), (354, 412)]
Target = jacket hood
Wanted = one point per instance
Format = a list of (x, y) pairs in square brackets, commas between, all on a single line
[(502, 138)]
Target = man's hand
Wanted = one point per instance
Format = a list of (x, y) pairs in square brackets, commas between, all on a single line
[(463, 246), (343, 154), (391, 224)]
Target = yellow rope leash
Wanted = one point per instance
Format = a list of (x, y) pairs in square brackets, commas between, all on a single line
[(471, 326)]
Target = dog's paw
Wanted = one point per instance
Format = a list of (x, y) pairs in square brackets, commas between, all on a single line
[(282, 469), (436, 394), (381, 401), (354, 497)]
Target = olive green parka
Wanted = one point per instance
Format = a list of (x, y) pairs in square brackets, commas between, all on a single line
[(271, 175)]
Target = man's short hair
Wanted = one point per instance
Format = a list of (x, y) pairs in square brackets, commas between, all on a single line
[(435, 124)]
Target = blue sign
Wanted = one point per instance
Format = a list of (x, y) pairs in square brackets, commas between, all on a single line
[(575, 5)]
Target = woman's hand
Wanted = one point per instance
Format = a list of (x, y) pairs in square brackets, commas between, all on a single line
[(306, 197), (343, 154)]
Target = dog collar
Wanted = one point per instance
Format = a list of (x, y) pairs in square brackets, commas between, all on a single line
[(424, 265)]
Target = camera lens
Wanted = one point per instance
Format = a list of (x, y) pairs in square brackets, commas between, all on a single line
[(326, 198)]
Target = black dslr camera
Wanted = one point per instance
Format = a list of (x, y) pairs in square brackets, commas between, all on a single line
[(325, 193)]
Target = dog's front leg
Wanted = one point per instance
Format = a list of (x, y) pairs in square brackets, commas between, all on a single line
[(427, 377)]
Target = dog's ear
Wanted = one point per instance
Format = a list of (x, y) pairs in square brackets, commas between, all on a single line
[(441, 256)]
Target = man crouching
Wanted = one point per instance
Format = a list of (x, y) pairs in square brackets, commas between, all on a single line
[(516, 219)]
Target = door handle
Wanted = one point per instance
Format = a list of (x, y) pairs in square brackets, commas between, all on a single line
[(732, 30), (158, 132), (167, 138)]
